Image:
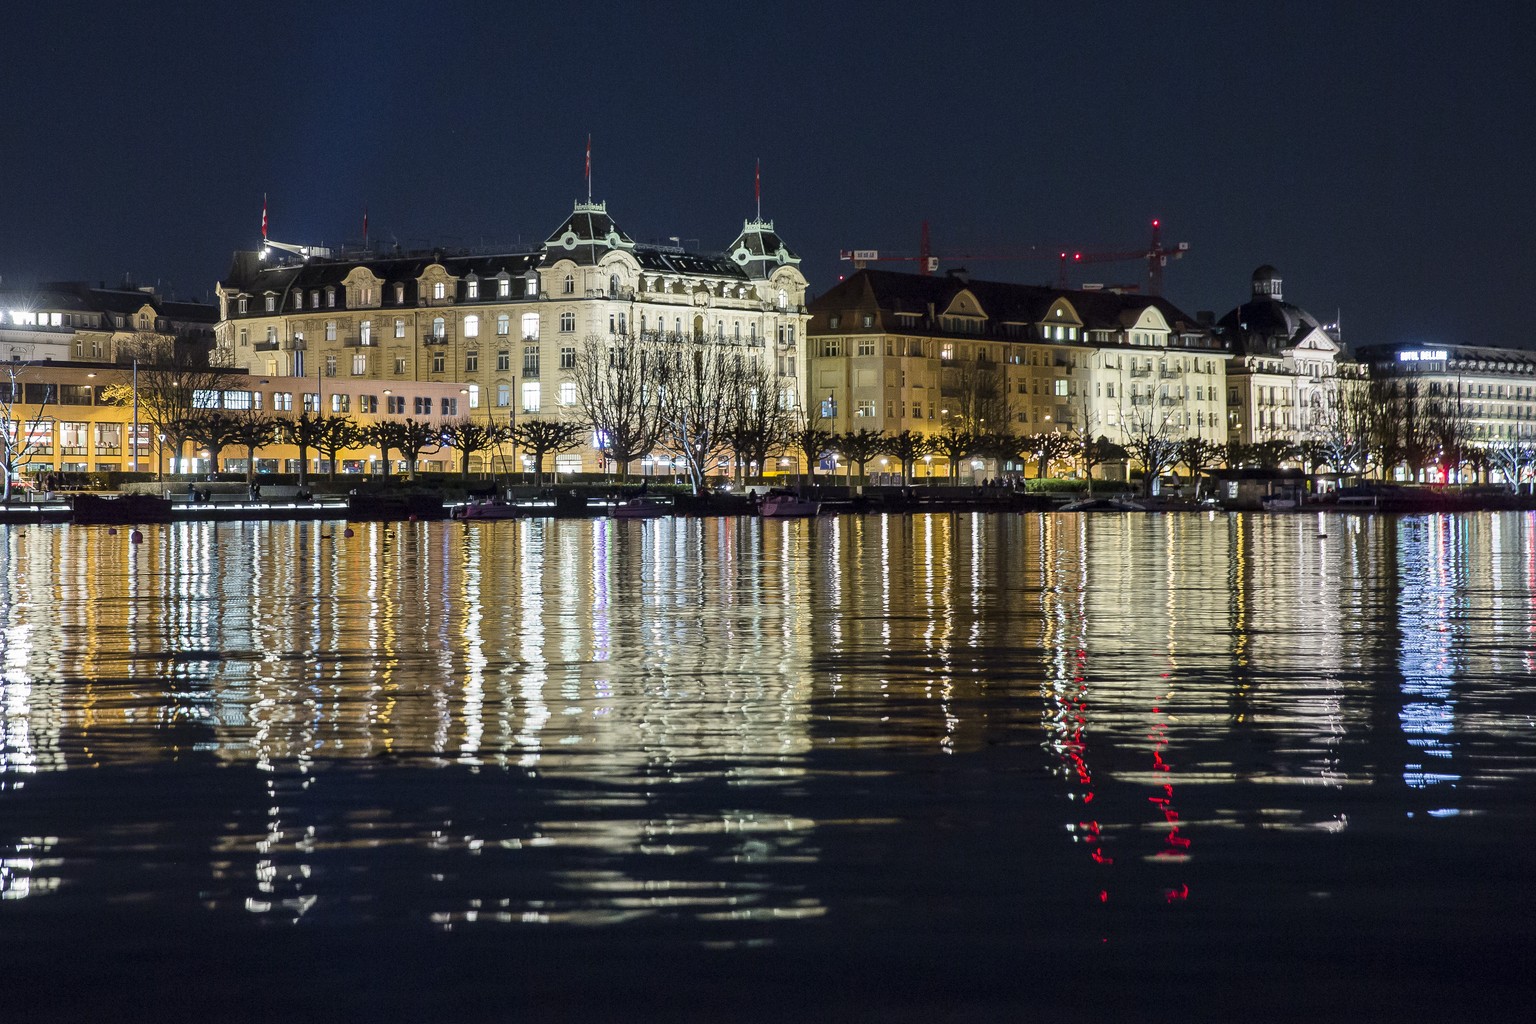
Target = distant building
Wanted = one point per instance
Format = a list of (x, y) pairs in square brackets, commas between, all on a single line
[(64, 419), (508, 326), (1490, 393), (1285, 366), (74, 321), (896, 352)]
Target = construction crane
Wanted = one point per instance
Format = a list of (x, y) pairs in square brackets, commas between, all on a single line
[(301, 251), (1155, 255), (928, 262)]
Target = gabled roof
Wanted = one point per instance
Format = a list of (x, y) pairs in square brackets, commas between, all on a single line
[(1003, 302)]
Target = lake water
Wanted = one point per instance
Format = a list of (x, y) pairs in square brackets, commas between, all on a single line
[(949, 767)]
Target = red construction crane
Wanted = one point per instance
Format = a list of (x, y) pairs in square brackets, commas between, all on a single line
[(928, 262), (1155, 255)]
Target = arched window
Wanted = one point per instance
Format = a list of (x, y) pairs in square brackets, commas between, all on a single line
[(504, 324), (439, 290), (567, 323), (531, 326), (570, 284), (439, 327), (613, 284), (783, 299), (472, 327)]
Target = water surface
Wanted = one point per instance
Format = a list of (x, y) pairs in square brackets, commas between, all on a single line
[(949, 767)]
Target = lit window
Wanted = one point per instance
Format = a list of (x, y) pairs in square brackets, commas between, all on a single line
[(531, 325), (503, 395), (330, 330), (439, 327), (399, 328), (365, 332), (531, 396), (271, 303), (472, 289), (568, 392), (359, 364), (439, 290), (399, 294), (472, 327), (504, 325), (504, 288)]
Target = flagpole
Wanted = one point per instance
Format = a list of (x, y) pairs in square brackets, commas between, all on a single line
[(589, 167)]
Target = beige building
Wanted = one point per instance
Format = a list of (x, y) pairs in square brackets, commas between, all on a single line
[(507, 327), (74, 321), (896, 352), (1285, 369)]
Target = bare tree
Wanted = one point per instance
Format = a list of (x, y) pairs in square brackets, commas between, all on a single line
[(760, 420), (212, 430), (1343, 429), (858, 447), (811, 439), (618, 391), (543, 438), (700, 378), (171, 394), (1087, 444), (252, 429), (1196, 454), (1515, 456), (1148, 436), (907, 447), (1045, 448), (18, 441), (335, 434), (467, 437)]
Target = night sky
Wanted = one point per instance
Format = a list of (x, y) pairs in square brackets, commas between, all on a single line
[(1380, 155)]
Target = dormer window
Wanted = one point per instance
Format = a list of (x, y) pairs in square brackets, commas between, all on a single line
[(399, 294), (298, 300), (439, 290), (241, 304), (330, 298), (532, 283), (314, 299), (504, 288), (834, 321), (271, 303), (472, 288), (570, 284)]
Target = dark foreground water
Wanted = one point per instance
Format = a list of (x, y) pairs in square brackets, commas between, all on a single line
[(1128, 767)]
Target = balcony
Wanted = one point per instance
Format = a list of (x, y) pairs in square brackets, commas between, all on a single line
[(354, 341), (266, 346), (1141, 400), (1169, 374), (530, 373), (435, 339), (1141, 373)]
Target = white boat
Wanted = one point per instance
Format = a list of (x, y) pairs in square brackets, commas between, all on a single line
[(488, 509), (643, 507), (785, 506)]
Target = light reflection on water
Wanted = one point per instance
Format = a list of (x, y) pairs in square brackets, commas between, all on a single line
[(735, 723)]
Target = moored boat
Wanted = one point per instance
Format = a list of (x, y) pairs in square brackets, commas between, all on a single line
[(786, 506), (645, 506), (488, 510)]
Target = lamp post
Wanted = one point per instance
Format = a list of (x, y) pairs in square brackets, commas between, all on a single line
[(133, 441)]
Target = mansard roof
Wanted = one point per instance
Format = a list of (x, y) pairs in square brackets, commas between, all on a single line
[(760, 250), (1002, 302), (587, 234)]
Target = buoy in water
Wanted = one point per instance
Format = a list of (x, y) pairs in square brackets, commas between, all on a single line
[(136, 537), (112, 531), (349, 532)]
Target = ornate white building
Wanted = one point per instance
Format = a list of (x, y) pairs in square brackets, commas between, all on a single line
[(1285, 366), (508, 326)]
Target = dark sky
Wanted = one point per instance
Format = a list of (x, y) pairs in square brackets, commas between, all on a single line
[(1381, 155)]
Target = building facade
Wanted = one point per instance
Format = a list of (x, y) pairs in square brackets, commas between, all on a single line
[(1285, 367), (74, 321), (78, 418), (508, 327), (896, 352), (1488, 394)]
